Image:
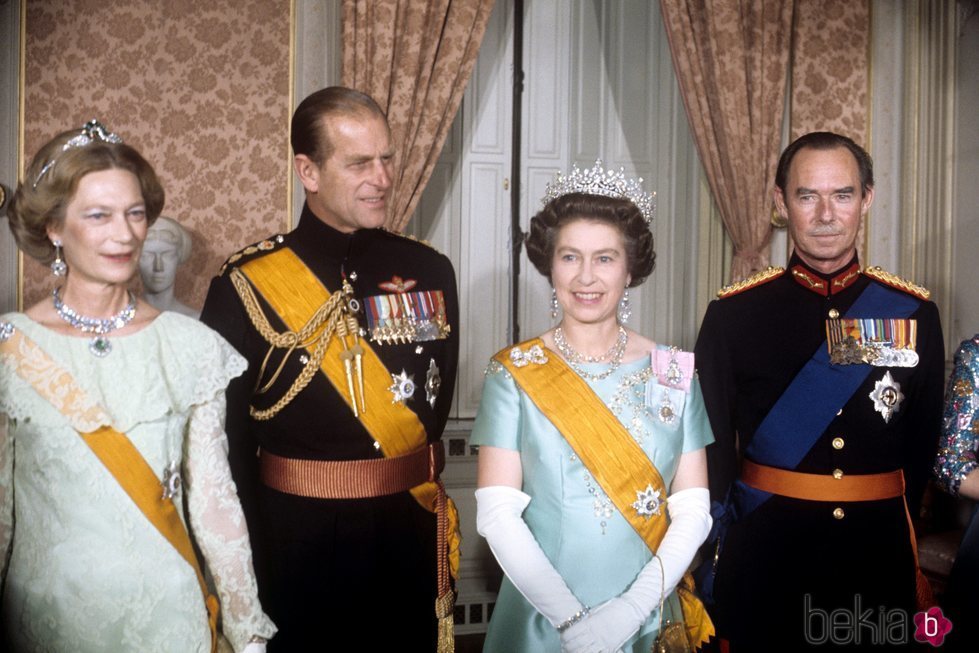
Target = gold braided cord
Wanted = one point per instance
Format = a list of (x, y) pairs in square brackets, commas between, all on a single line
[(330, 314)]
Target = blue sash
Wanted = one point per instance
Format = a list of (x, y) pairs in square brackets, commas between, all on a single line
[(806, 408), (798, 419)]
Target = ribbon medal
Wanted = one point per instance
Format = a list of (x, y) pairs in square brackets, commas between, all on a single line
[(404, 316), (881, 342)]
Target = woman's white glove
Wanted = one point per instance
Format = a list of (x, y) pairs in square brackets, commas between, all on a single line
[(610, 625), (255, 647), (498, 519), (605, 630)]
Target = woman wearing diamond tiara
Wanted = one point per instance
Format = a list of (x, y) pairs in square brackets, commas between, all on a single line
[(111, 421), (592, 473)]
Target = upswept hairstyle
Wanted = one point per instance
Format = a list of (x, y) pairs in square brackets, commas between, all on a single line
[(40, 200), (309, 135), (826, 141), (617, 212)]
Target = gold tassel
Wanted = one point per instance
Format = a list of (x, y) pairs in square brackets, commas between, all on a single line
[(443, 611)]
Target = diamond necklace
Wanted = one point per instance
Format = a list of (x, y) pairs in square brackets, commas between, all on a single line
[(99, 345), (613, 355)]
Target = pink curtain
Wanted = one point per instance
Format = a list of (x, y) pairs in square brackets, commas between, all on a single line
[(414, 58), (732, 60)]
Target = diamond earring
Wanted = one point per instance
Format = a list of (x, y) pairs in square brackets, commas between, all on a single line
[(58, 266), (625, 307), (554, 305)]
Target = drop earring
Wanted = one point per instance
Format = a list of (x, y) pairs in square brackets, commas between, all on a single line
[(553, 304), (58, 266), (625, 307)]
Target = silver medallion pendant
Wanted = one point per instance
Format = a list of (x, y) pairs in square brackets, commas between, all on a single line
[(100, 346)]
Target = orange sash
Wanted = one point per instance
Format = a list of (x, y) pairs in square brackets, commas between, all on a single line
[(117, 453), (295, 293)]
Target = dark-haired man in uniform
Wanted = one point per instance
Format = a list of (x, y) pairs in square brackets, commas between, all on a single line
[(823, 384), (351, 337)]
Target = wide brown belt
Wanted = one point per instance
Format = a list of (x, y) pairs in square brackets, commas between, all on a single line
[(352, 479), (823, 487)]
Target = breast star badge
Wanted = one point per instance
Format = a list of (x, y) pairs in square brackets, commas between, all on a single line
[(887, 396), (402, 387), (432, 383)]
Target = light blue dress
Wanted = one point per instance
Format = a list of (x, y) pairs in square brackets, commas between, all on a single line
[(587, 540)]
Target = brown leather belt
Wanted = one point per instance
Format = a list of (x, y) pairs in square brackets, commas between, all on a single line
[(352, 479), (823, 487)]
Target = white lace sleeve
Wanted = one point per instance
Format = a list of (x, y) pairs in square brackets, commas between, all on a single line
[(6, 494), (219, 524)]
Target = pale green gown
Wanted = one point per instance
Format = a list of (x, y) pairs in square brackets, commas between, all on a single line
[(87, 572), (587, 540)]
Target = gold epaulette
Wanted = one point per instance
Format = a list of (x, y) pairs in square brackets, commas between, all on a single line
[(263, 246), (412, 238), (758, 278), (879, 274)]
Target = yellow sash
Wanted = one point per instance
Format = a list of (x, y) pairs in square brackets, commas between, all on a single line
[(610, 454), (295, 293), (115, 450)]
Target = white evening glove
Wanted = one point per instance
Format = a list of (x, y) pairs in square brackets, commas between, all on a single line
[(611, 624), (255, 647), (498, 519)]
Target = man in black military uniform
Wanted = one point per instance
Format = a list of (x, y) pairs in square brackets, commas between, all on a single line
[(823, 384), (351, 337)]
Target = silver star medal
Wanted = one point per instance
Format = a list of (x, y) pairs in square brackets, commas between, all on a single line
[(432, 383), (887, 396), (402, 387), (171, 480), (647, 502)]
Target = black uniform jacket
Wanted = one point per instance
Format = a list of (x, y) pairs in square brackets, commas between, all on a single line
[(751, 346), (331, 571)]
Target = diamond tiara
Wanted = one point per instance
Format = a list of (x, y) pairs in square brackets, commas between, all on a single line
[(608, 183), (90, 132)]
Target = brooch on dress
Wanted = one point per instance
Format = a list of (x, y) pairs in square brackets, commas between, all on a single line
[(6, 330), (647, 502), (171, 480), (534, 355)]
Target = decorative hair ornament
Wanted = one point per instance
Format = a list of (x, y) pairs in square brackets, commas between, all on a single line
[(608, 183), (90, 132)]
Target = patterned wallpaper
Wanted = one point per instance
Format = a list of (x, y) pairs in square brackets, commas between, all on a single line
[(200, 88), (831, 74), (831, 68)]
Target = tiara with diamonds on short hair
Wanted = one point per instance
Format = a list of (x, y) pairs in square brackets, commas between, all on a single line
[(90, 132), (607, 183)]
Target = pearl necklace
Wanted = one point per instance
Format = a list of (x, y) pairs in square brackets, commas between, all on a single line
[(99, 345), (575, 359)]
